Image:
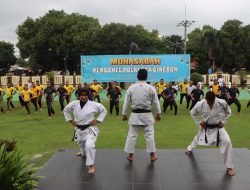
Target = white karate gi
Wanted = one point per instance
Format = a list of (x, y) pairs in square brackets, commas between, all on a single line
[(141, 96), (86, 138), (219, 113)]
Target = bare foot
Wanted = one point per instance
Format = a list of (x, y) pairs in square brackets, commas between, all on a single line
[(153, 156), (188, 152), (130, 157), (91, 170), (230, 172), (78, 154)]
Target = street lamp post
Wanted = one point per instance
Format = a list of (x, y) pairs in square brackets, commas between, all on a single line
[(185, 23)]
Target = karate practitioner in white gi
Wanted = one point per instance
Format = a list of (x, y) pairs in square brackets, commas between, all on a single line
[(141, 97), (210, 115), (85, 125)]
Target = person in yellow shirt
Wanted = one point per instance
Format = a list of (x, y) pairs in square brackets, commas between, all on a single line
[(1, 99), (35, 95), (70, 89), (10, 91), (27, 96), (20, 88), (98, 88), (215, 88), (40, 88), (183, 90), (160, 87)]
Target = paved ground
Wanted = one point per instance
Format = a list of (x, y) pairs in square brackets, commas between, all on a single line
[(172, 171)]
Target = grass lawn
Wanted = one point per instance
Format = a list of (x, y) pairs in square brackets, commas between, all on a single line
[(39, 137)]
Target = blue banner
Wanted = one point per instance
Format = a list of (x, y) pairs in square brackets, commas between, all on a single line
[(124, 68)]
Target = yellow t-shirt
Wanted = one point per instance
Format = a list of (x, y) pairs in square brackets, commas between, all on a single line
[(10, 91), (215, 88), (160, 87), (40, 88), (35, 92), (20, 89), (96, 87), (183, 88), (69, 89), (26, 94)]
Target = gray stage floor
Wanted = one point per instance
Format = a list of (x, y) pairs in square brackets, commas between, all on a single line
[(173, 170)]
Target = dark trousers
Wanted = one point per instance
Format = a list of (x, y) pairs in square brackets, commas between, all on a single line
[(171, 103), (50, 108), (194, 102), (9, 103), (248, 104), (21, 101), (188, 98), (40, 101), (182, 96), (112, 104), (159, 96), (224, 97), (34, 102), (27, 107), (61, 101), (98, 98), (236, 101), (68, 98)]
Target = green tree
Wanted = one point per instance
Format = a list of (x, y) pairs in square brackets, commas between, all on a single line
[(173, 44), (115, 38), (232, 41), (56, 40), (7, 57), (196, 77)]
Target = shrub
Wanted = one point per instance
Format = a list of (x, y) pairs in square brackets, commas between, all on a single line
[(50, 76), (15, 172), (196, 77), (9, 145)]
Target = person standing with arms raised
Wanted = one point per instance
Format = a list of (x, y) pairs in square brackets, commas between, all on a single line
[(140, 97)]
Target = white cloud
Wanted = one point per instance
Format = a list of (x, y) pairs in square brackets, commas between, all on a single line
[(163, 15)]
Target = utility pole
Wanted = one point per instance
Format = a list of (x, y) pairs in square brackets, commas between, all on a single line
[(185, 23)]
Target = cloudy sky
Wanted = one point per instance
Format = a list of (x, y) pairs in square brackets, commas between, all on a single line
[(162, 15)]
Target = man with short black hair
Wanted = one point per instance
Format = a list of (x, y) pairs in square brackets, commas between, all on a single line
[(183, 90), (234, 93), (41, 89), (190, 88), (211, 115), (223, 90), (20, 88), (114, 96), (141, 97), (10, 91), (196, 95), (50, 93), (97, 88), (169, 95), (160, 86)]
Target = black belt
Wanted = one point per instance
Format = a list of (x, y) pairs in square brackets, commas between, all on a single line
[(212, 126), (141, 111), (81, 127)]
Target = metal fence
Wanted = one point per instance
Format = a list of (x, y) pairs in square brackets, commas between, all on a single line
[(76, 79)]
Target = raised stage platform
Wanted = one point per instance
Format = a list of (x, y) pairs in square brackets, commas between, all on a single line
[(173, 170)]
